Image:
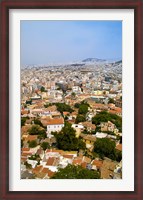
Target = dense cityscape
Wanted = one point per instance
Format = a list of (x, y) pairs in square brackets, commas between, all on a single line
[(71, 120)]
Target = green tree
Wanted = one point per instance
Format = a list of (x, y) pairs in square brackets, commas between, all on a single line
[(111, 100), (22, 143), (61, 107), (83, 109), (34, 157), (42, 89), (45, 145), (105, 117), (38, 122), (37, 130), (29, 101), (101, 117), (80, 118), (105, 147), (34, 130), (42, 134), (118, 155), (76, 172), (32, 144), (73, 94), (66, 139), (23, 120), (48, 105), (76, 105), (28, 166)]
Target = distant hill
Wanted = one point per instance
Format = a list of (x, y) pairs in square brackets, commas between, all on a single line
[(94, 60), (118, 62)]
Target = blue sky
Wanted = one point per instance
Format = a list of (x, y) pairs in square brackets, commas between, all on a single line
[(44, 42)]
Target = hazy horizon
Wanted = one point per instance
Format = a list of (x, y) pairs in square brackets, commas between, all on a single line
[(46, 42)]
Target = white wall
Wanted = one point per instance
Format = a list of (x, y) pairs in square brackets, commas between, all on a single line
[(55, 127)]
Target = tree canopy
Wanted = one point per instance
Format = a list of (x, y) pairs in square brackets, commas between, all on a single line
[(76, 105), (105, 117), (83, 109), (66, 139), (23, 120), (105, 147), (45, 145), (43, 89), (80, 118), (37, 130), (32, 144), (76, 172), (111, 100), (38, 122), (61, 107)]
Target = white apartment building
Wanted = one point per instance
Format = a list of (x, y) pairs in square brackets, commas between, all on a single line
[(55, 124)]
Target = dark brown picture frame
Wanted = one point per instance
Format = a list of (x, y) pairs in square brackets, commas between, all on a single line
[(5, 6)]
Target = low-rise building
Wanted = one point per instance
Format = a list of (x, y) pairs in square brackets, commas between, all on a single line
[(55, 125)]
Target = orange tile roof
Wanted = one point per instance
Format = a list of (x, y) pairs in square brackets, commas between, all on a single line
[(119, 147), (25, 149), (50, 173), (37, 169), (112, 111), (50, 161), (77, 161), (55, 121), (26, 154), (116, 110), (98, 163), (23, 159), (45, 170), (31, 137), (86, 159), (54, 151), (68, 156), (84, 164), (119, 110), (24, 112), (65, 113)]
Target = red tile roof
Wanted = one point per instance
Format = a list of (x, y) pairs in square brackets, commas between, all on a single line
[(47, 171), (77, 161), (55, 121), (65, 113), (86, 159), (26, 154), (84, 164), (25, 149), (97, 163), (31, 137), (68, 156), (52, 161), (119, 147), (37, 169)]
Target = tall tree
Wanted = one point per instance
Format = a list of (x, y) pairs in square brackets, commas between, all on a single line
[(32, 144), (83, 109), (80, 118), (105, 147), (76, 172), (45, 145), (66, 139)]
